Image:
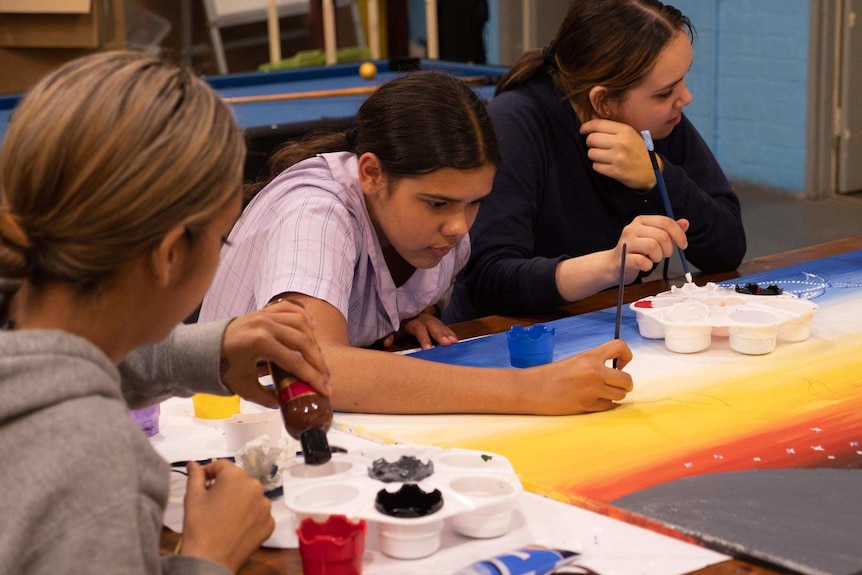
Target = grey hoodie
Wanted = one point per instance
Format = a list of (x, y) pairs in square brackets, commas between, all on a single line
[(81, 488)]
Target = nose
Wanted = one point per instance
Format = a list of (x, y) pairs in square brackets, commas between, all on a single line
[(685, 97), (455, 226)]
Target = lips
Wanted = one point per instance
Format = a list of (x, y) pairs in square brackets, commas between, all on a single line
[(441, 251)]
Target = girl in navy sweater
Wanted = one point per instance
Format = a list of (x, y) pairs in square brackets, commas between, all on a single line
[(575, 180)]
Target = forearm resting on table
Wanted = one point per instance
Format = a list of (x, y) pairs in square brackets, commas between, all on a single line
[(586, 275), (371, 381)]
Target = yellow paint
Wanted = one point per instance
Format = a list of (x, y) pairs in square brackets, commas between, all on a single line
[(738, 399)]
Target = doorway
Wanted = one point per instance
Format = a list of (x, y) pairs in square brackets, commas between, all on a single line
[(834, 147)]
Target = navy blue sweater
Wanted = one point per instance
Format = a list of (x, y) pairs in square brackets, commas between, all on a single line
[(548, 204)]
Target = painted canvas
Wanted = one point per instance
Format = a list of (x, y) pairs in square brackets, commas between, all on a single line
[(714, 411)]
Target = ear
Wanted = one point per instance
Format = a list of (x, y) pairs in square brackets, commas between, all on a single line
[(599, 102), (169, 257), (372, 178)]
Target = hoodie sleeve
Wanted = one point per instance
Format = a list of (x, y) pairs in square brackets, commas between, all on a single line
[(185, 363)]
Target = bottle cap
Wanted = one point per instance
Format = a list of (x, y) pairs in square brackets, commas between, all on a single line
[(315, 447)]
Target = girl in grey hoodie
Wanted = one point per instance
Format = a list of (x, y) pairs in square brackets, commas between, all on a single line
[(119, 178)]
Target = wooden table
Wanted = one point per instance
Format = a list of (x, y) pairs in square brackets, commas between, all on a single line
[(287, 561), (608, 298)]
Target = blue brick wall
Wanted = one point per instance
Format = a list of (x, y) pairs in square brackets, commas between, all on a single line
[(749, 81), (701, 79)]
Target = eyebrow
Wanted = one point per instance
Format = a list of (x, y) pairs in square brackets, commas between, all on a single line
[(439, 198), (675, 82), (668, 87)]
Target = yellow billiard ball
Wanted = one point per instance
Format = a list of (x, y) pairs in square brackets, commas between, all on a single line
[(368, 70)]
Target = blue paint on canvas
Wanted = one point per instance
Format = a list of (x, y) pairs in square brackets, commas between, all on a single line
[(819, 280)]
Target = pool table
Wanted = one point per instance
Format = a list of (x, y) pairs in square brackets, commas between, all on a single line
[(268, 124)]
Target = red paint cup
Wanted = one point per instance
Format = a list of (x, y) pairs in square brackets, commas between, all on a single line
[(334, 547)]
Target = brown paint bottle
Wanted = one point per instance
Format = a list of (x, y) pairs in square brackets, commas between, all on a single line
[(307, 415)]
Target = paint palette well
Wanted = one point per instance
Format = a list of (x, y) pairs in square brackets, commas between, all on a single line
[(688, 317), (479, 491)]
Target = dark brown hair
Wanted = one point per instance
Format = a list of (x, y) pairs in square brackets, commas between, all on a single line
[(612, 43), (414, 124)]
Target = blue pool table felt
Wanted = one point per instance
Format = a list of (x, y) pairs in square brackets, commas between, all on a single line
[(262, 114)]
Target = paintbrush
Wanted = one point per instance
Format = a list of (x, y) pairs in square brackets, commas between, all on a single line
[(621, 287), (662, 188)]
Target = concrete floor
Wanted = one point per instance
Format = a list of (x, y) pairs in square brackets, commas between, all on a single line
[(777, 222)]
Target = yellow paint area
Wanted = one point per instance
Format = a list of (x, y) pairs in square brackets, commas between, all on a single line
[(733, 400)]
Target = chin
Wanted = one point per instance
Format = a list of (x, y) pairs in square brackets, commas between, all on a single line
[(424, 262), (662, 132)]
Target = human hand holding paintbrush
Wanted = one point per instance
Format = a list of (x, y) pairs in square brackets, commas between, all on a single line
[(617, 151), (665, 198), (226, 516), (649, 240)]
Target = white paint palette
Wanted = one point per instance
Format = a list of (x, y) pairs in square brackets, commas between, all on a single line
[(688, 317), (479, 491)]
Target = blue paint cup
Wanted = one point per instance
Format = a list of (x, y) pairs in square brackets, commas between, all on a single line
[(531, 346), (147, 419)]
